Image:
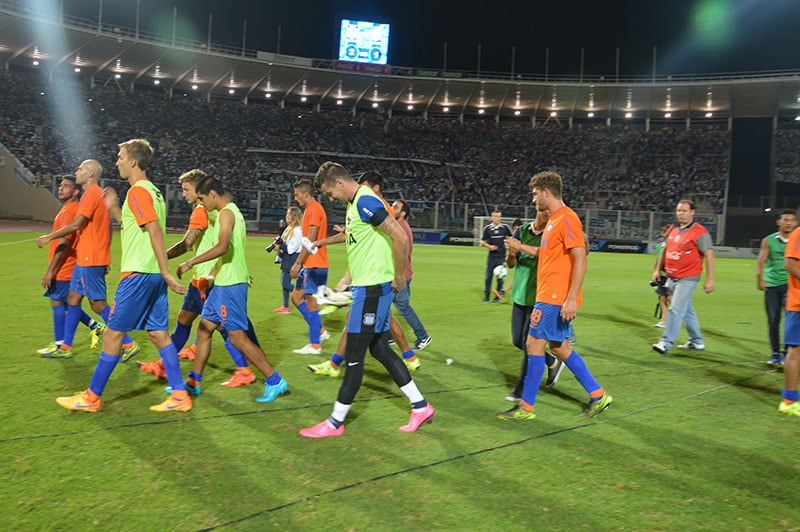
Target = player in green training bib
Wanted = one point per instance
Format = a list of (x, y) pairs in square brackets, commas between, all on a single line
[(377, 253)]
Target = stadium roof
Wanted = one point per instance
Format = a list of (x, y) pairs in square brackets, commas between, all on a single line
[(111, 54)]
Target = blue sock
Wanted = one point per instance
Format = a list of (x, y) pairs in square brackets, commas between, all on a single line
[(87, 320), (314, 325), (71, 323), (790, 395), (105, 313), (577, 366), (409, 354), (303, 308), (170, 357), (180, 335), (533, 378), (237, 356), (337, 359), (105, 366), (273, 379), (59, 318)]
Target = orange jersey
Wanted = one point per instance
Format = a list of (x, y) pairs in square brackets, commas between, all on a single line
[(793, 252), (64, 269), (94, 241), (314, 214), (199, 218), (564, 231)]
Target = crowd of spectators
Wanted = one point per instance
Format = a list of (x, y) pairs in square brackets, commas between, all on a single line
[(787, 154), (260, 146)]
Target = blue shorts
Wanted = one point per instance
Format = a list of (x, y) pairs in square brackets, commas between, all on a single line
[(57, 291), (140, 303), (370, 310), (227, 305), (89, 281), (309, 279), (194, 299), (547, 324), (791, 328)]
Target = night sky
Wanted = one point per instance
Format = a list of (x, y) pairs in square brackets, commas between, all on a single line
[(700, 36)]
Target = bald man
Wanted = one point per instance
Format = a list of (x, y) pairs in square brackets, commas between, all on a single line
[(92, 224)]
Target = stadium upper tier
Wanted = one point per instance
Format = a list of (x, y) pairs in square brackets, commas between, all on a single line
[(107, 53), (261, 146)]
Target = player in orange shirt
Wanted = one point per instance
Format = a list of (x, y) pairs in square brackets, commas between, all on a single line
[(560, 273), (310, 270), (61, 264), (93, 257), (791, 328)]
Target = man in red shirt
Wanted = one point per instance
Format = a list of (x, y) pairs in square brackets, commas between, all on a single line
[(687, 244)]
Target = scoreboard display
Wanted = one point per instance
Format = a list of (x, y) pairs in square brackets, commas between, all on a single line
[(364, 42)]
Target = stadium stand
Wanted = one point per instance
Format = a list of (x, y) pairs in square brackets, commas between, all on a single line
[(263, 147)]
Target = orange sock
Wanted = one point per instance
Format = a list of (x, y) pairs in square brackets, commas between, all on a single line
[(597, 394), (525, 406)]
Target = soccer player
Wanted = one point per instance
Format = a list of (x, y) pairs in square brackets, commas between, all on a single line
[(523, 256), (791, 331), (141, 298), (310, 270), (377, 255), (494, 235), (402, 300), (227, 302), (687, 245), (200, 236), (772, 279), (60, 267), (93, 256), (333, 366), (560, 274)]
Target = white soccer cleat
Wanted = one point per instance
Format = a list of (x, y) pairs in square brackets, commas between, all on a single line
[(309, 349)]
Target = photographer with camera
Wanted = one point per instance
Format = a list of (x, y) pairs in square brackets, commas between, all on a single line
[(688, 246), (288, 243)]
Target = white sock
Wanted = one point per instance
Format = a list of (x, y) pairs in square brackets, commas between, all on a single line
[(412, 392), (340, 411)]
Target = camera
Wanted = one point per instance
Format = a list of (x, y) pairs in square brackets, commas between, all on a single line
[(660, 284), (277, 242)]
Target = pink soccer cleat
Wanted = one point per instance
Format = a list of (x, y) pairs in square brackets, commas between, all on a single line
[(322, 430), (418, 418)]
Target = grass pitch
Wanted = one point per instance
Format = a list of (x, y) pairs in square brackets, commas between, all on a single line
[(693, 440)]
